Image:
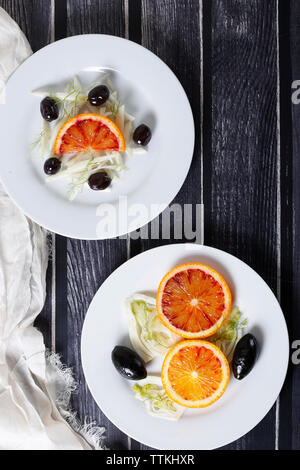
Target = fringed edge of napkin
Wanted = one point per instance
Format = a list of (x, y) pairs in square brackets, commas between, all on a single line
[(93, 434)]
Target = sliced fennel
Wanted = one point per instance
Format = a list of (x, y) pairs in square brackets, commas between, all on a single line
[(230, 333), (158, 404), (148, 336), (72, 100), (79, 178), (83, 165)]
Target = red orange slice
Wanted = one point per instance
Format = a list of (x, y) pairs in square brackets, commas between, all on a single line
[(195, 373), (193, 300), (89, 131)]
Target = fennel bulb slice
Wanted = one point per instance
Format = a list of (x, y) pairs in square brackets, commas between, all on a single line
[(148, 335), (230, 333), (157, 403)]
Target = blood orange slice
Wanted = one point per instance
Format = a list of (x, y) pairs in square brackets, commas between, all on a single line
[(89, 131), (193, 300), (195, 373)]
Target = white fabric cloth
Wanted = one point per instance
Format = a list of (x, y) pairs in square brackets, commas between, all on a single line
[(32, 388), (14, 47)]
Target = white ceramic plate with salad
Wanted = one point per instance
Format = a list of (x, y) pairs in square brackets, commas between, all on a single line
[(123, 313), (78, 166)]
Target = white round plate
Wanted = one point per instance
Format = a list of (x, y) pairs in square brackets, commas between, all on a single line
[(244, 403), (150, 92)]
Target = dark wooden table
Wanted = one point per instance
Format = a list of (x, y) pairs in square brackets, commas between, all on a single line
[(236, 60)]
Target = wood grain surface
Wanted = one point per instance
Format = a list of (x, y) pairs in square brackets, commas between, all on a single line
[(226, 54), (87, 264), (241, 166), (289, 36)]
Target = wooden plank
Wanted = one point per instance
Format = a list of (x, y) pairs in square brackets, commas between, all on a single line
[(60, 19), (289, 15), (240, 166), (171, 29), (44, 320), (33, 18), (96, 16), (82, 266), (133, 16), (89, 263)]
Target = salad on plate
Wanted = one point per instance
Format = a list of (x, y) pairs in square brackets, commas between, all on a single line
[(87, 134), (192, 325)]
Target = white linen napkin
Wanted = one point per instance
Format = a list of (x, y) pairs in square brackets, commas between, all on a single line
[(34, 389)]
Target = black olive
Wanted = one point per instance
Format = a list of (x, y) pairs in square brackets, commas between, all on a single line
[(99, 181), (142, 135), (128, 363), (52, 166), (49, 109), (98, 95), (244, 357)]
